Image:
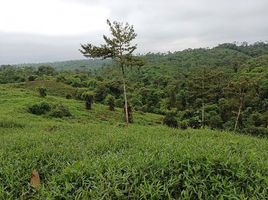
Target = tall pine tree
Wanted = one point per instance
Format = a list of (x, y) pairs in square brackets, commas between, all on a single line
[(118, 47)]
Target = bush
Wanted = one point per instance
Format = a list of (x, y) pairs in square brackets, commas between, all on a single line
[(46, 70), (110, 101), (214, 120), (257, 131), (32, 78), (60, 111), (184, 124), (42, 91), (195, 122), (68, 96), (79, 93), (57, 110), (170, 120), (88, 97), (39, 108)]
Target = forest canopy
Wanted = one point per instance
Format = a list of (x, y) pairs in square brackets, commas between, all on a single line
[(225, 87)]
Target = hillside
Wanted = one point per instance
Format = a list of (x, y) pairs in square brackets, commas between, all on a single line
[(222, 88), (90, 155)]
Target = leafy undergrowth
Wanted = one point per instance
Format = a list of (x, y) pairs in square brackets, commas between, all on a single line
[(84, 157), (100, 161), (54, 88)]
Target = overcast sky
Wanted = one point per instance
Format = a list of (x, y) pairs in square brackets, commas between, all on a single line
[(52, 30)]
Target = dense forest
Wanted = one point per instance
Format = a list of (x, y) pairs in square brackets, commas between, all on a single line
[(225, 87)]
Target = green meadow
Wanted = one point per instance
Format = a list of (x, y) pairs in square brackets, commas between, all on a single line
[(92, 155)]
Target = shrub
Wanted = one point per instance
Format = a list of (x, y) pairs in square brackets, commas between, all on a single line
[(258, 131), (76, 82), (184, 124), (39, 108), (79, 93), (60, 111), (110, 101), (46, 70), (195, 122), (88, 97), (68, 96), (42, 91), (214, 120), (170, 120), (32, 78), (101, 92)]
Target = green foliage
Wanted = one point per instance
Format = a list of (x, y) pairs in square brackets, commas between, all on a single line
[(214, 120), (79, 93), (184, 124), (39, 108), (46, 70), (257, 131), (101, 92), (42, 91), (53, 110), (68, 96), (32, 78), (11, 74), (147, 162), (60, 111), (110, 101), (222, 88), (92, 156), (170, 120), (119, 48), (89, 98)]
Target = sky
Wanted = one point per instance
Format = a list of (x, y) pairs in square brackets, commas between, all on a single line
[(52, 30)]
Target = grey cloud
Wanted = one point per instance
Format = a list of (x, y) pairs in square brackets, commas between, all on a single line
[(161, 26), (24, 48)]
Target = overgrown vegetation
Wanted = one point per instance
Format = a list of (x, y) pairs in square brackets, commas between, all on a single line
[(89, 154), (53, 110), (222, 88), (86, 158)]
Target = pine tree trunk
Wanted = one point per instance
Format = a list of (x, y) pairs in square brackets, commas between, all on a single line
[(238, 114), (125, 99)]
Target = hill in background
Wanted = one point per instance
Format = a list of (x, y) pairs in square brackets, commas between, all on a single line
[(223, 88)]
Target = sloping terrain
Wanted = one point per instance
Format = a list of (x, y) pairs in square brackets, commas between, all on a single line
[(91, 155)]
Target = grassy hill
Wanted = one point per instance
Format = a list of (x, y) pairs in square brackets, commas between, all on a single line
[(90, 155)]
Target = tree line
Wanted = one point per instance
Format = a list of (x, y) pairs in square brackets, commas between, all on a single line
[(225, 87)]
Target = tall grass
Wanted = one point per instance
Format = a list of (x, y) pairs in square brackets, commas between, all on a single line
[(87, 157)]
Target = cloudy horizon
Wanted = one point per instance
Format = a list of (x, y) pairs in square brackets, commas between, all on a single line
[(52, 30)]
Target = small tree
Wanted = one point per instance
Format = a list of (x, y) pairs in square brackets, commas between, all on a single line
[(170, 120), (46, 70), (119, 48), (89, 98), (42, 91), (110, 100), (240, 90)]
